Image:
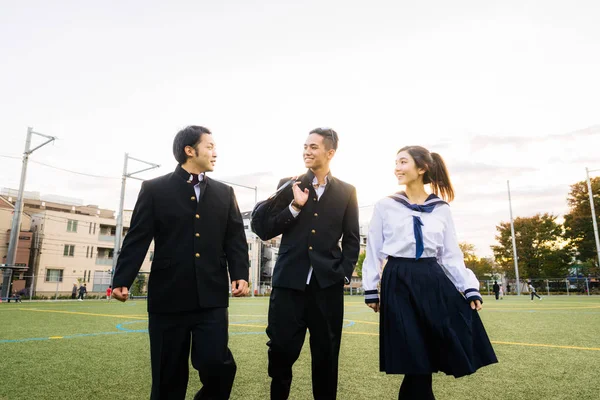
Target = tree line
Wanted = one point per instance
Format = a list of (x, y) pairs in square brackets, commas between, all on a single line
[(547, 248)]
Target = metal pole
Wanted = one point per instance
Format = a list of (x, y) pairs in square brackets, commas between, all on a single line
[(119, 228), (56, 293), (548, 286), (587, 286), (31, 288), (514, 242), (16, 221), (567, 281), (589, 185)]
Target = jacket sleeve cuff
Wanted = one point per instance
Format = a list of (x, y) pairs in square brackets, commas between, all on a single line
[(472, 295), (371, 296)]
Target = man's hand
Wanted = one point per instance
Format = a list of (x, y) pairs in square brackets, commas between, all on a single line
[(476, 305), (120, 293), (300, 197), (374, 306), (239, 288)]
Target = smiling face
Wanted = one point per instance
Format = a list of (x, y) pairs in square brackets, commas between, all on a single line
[(203, 157), (316, 155), (406, 170)]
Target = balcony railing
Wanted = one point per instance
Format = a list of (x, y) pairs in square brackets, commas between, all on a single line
[(106, 238), (104, 260)]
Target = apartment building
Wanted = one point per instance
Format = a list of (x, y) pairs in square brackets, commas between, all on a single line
[(76, 248), (72, 243)]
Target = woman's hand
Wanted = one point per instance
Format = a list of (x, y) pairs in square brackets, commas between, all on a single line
[(374, 306), (476, 305)]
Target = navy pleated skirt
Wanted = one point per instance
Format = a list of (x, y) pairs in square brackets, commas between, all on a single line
[(426, 323)]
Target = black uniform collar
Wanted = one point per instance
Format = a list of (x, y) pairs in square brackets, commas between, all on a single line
[(309, 176), (182, 173)]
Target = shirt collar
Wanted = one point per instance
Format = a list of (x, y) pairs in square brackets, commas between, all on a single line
[(314, 180), (200, 177)]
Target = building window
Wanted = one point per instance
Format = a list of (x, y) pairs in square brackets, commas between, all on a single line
[(94, 228), (89, 275), (249, 246), (69, 250), (151, 256), (90, 228), (72, 226), (54, 275), (245, 226)]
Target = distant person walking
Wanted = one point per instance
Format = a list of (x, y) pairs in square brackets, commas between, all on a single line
[(74, 292), (82, 292), (496, 289), (533, 292)]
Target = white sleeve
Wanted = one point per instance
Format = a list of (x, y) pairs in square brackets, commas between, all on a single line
[(452, 258), (294, 212), (371, 271)]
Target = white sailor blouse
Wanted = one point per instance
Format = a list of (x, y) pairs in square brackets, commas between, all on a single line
[(401, 229)]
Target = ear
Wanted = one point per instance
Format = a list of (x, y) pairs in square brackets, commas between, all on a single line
[(330, 154), (189, 151), (421, 171)]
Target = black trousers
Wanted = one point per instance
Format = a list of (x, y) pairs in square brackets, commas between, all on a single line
[(416, 387), (170, 338), (291, 312), (497, 294), (534, 294)]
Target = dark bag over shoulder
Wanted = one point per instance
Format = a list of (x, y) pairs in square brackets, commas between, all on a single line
[(263, 209)]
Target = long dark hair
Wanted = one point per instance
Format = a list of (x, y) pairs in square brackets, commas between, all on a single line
[(436, 172)]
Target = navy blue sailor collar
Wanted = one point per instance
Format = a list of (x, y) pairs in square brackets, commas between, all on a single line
[(428, 206)]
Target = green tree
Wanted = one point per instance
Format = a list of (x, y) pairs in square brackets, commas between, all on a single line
[(540, 247), (359, 264), (481, 267), (578, 222)]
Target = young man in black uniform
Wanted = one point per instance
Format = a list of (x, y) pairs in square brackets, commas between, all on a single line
[(198, 237), (311, 269)]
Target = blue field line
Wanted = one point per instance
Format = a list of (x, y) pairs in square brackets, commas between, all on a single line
[(123, 329)]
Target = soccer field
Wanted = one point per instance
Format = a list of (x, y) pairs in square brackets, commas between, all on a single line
[(95, 349)]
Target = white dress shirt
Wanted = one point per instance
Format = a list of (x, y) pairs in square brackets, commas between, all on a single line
[(391, 234), (197, 185), (319, 190)]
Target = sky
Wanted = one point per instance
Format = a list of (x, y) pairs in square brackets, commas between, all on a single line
[(505, 91)]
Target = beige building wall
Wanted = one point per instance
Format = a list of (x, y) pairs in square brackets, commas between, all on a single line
[(254, 247), (6, 214), (75, 248)]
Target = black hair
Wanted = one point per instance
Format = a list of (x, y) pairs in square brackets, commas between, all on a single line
[(436, 172), (188, 136), (330, 137)]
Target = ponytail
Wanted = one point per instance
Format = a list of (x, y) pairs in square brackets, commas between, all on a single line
[(436, 173), (440, 179)]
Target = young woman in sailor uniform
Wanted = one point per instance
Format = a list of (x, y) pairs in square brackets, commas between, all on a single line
[(429, 299)]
